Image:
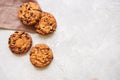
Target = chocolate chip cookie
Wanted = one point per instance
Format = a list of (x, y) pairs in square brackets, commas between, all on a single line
[(47, 24), (20, 42), (41, 55), (29, 13)]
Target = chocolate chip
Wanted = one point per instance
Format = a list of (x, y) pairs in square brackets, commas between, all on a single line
[(31, 14), (30, 54), (25, 49), (19, 50), (16, 32), (20, 11), (45, 20), (26, 5), (37, 20), (22, 33), (27, 21), (14, 42), (9, 42), (27, 37), (13, 35), (50, 24), (28, 8), (20, 36), (24, 16)]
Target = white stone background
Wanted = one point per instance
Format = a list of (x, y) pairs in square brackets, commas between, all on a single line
[(86, 44)]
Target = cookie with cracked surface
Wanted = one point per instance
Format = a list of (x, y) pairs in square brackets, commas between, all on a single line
[(29, 13), (47, 24), (41, 55), (20, 42)]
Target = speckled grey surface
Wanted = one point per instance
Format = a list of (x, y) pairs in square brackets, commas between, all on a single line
[(86, 44)]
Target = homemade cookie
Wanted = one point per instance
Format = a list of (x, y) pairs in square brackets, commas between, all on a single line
[(47, 24), (20, 42), (41, 55), (29, 13)]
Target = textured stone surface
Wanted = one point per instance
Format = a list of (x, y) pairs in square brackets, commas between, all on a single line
[(85, 45)]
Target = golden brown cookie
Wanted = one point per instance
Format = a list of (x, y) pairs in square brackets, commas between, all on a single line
[(41, 55), (20, 42), (29, 13), (47, 24)]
